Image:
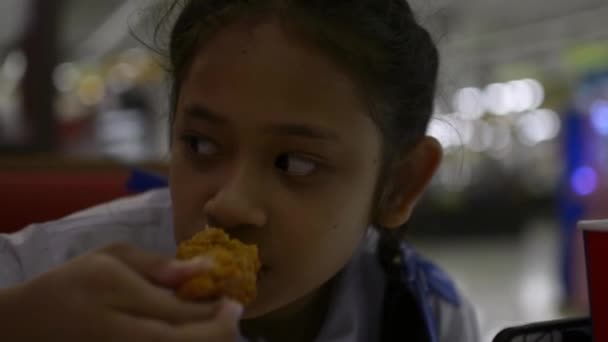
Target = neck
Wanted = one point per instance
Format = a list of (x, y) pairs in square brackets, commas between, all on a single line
[(299, 321)]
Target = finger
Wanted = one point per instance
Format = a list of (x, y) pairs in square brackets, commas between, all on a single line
[(139, 298), (135, 329), (159, 269), (177, 271), (224, 327)]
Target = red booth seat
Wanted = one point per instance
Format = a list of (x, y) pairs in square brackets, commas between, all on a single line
[(33, 196)]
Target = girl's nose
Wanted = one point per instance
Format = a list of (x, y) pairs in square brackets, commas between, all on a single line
[(236, 204)]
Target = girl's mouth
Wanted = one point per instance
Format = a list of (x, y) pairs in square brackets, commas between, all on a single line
[(264, 269)]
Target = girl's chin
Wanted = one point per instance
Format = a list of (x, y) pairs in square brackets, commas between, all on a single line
[(260, 307), (255, 310)]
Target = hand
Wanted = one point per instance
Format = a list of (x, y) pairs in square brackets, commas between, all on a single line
[(116, 294)]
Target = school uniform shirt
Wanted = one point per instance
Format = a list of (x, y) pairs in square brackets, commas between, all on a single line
[(146, 221)]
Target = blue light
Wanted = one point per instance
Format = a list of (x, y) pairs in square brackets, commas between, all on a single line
[(599, 116), (584, 181)]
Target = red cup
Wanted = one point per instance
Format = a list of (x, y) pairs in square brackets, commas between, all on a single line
[(596, 247)]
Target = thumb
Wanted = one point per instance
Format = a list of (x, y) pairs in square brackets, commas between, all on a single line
[(159, 269), (230, 310)]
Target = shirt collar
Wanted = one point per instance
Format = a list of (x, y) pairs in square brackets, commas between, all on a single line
[(355, 308)]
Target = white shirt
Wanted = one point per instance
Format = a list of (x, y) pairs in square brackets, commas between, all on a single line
[(146, 221)]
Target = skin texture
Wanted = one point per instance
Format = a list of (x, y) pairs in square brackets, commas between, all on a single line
[(246, 163), (272, 143), (118, 293)]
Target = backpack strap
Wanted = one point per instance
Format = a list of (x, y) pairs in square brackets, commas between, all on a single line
[(142, 181)]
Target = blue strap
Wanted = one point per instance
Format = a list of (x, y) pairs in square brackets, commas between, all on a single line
[(426, 282), (142, 181), (439, 282)]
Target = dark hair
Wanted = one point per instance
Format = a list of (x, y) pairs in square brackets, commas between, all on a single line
[(379, 42)]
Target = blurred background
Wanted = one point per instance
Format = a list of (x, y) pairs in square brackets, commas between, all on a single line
[(522, 114)]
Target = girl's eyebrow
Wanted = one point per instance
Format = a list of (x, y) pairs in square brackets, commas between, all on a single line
[(200, 112), (305, 131)]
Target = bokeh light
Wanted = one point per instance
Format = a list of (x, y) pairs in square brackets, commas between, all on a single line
[(599, 116), (497, 98), (468, 103), (14, 66), (91, 90), (538, 126), (66, 76), (584, 181)]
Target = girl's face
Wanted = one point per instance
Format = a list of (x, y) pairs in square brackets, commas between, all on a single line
[(272, 144)]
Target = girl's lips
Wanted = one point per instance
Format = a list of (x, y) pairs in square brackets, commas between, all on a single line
[(264, 268)]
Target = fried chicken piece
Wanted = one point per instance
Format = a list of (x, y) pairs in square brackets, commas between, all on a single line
[(234, 274)]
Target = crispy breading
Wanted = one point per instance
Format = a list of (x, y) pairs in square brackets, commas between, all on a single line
[(235, 267)]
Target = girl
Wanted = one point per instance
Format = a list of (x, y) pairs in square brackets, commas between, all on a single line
[(297, 125)]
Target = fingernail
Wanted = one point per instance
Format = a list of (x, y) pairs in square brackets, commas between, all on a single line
[(234, 309), (195, 263), (175, 271)]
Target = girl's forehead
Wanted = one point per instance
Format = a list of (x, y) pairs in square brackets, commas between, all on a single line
[(262, 72)]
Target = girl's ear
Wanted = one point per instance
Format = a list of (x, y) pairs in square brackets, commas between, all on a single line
[(409, 179)]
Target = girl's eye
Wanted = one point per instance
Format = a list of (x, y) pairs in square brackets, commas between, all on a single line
[(294, 165), (203, 147)]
